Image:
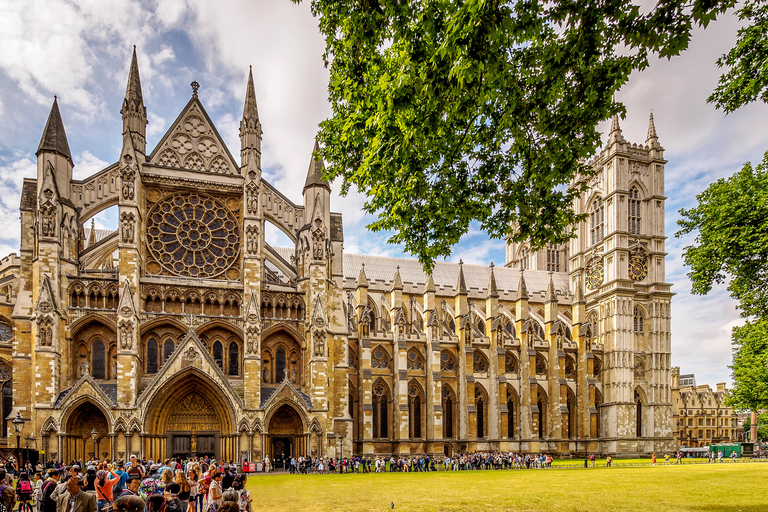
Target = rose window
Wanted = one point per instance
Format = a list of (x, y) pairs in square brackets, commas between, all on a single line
[(193, 235)]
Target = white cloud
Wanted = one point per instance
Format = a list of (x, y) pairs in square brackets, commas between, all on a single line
[(86, 164)]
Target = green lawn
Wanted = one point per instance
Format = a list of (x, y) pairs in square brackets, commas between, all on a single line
[(705, 487)]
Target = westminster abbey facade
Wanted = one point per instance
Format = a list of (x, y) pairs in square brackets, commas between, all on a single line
[(184, 333)]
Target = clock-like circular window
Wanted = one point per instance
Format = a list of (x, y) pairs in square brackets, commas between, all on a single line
[(6, 333), (193, 235)]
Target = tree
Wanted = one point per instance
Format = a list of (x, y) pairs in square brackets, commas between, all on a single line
[(731, 222), (750, 367), (447, 112)]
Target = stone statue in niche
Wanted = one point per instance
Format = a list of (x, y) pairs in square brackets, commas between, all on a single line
[(319, 344), (48, 225), (127, 225), (128, 185), (253, 198), (266, 375)]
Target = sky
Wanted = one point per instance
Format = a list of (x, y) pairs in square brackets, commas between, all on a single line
[(80, 51)]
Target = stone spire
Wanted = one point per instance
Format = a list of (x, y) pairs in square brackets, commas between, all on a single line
[(522, 290), (54, 137), (134, 112), (461, 284), (615, 135), (551, 294), (429, 287), (92, 234), (493, 290), (397, 282), (652, 140), (315, 171), (362, 279), (250, 126), (579, 299)]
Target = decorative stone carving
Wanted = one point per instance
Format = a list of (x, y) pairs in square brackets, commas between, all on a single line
[(252, 239), (128, 227), (126, 334), (252, 203), (127, 175), (48, 220), (319, 339), (252, 335)]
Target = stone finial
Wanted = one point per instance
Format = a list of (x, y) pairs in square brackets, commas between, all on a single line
[(615, 134), (493, 290), (316, 170), (522, 290), (652, 140), (461, 283), (195, 86), (92, 234), (397, 282), (362, 279), (250, 109), (551, 293), (429, 287)]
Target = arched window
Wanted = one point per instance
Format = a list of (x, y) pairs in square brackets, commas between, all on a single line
[(525, 259), (510, 415), (280, 363), (553, 258), (379, 411), (414, 360), (571, 416), (168, 347), (152, 355), (447, 363), (99, 360), (639, 421), (634, 211), (638, 321), (448, 405), (234, 359), (479, 362), (540, 405), (6, 375), (596, 219), (414, 414), (218, 354), (480, 408)]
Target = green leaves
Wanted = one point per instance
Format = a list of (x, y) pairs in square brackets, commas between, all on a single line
[(731, 223), (750, 366), (446, 111), (747, 78)]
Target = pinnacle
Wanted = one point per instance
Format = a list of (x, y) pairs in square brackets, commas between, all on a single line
[(362, 279), (461, 284), (397, 282), (133, 89), (615, 135), (493, 290), (652, 137), (522, 290), (250, 110), (316, 170), (54, 137), (551, 294), (429, 287)]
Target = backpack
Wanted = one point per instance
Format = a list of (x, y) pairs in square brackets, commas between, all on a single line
[(117, 489), (25, 487)]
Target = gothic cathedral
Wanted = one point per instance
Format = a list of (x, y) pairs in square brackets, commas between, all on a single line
[(184, 333)]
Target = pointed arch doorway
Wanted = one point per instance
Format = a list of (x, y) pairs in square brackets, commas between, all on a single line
[(189, 417), (286, 436)]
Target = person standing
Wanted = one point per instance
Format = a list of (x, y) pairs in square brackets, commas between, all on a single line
[(47, 502), (75, 499), (104, 487)]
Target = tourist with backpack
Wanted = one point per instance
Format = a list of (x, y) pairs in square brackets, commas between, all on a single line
[(7, 494), (24, 492), (48, 502), (104, 488)]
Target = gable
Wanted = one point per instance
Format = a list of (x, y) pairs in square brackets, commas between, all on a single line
[(193, 143)]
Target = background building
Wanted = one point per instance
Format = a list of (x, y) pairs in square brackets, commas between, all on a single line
[(701, 416), (184, 333)]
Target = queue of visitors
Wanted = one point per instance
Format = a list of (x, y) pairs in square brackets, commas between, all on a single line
[(101, 486)]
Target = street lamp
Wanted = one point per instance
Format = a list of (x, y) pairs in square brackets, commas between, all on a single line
[(18, 426), (94, 437)]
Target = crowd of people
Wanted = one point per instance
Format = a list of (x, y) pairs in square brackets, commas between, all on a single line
[(134, 486)]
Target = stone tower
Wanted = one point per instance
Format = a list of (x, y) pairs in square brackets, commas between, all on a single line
[(618, 259)]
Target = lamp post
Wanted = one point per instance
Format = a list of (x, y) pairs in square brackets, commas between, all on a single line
[(18, 426), (94, 437)]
